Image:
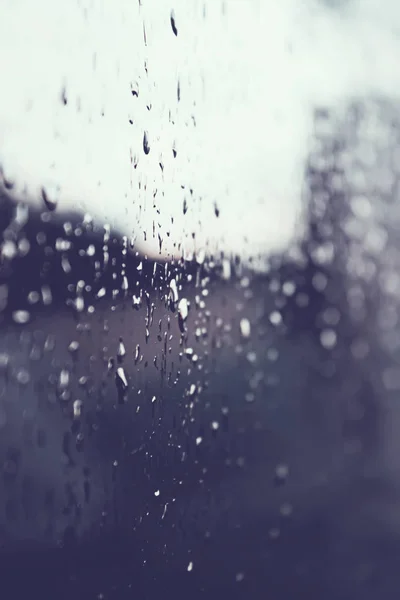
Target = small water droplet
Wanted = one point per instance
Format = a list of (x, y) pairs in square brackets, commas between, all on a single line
[(328, 339), (50, 197), (275, 318), (136, 302), (21, 316), (245, 328), (121, 349), (281, 473), (173, 23), (63, 381), (23, 377), (121, 378), (8, 250), (286, 509), (73, 347), (173, 291), (146, 144), (77, 407), (4, 362)]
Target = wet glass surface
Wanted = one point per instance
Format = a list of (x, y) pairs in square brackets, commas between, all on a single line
[(199, 301)]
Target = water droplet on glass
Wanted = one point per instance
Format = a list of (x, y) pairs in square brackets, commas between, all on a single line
[(281, 473), (121, 349), (4, 362), (121, 379), (47, 297), (21, 316), (286, 509), (73, 347), (173, 23), (146, 144), (50, 197), (63, 380), (135, 89), (245, 328), (275, 318), (136, 302), (8, 250), (173, 291), (328, 339), (226, 269), (23, 377), (77, 407), (200, 257)]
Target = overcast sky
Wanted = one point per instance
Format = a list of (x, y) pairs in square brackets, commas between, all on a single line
[(250, 72)]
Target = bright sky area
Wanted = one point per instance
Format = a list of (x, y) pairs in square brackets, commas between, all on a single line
[(250, 73)]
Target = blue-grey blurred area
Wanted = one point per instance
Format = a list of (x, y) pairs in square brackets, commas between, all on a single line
[(193, 428)]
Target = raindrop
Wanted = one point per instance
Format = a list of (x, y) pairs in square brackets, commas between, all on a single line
[(23, 377), (252, 357), (137, 353), (289, 288), (183, 311), (173, 291), (121, 379), (281, 473), (286, 509), (121, 349), (8, 250), (135, 89), (173, 23), (125, 284), (4, 360), (275, 318), (226, 269), (50, 197), (79, 304), (23, 247), (190, 566), (245, 328), (21, 316), (63, 380), (33, 297), (73, 347), (146, 145), (77, 407), (200, 257), (46, 295), (328, 339), (136, 302), (274, 533)]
